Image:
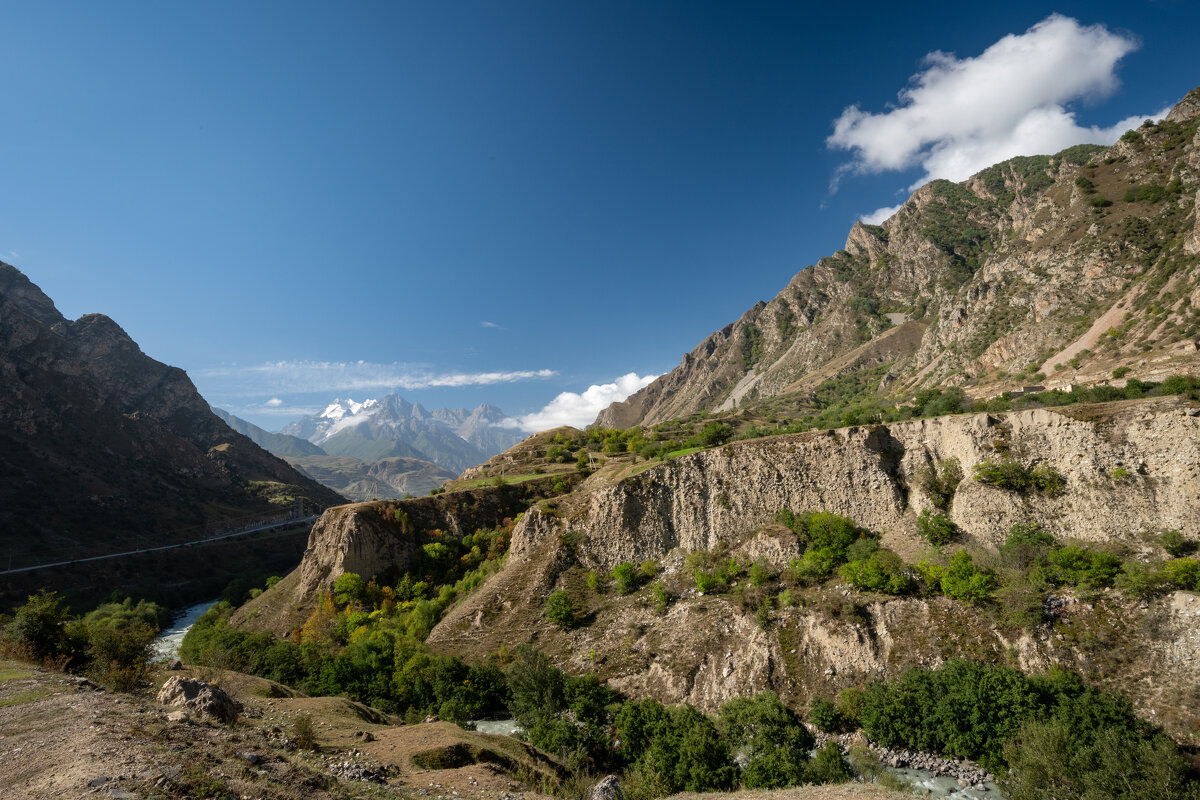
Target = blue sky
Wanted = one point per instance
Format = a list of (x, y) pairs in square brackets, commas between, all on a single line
[(473, 202)]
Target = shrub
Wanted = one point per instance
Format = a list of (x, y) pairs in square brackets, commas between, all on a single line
[(38, 626), (883, 571), (815, 565), (937, 529), (760, 573), (963, 581), (661, 599), (1079, 566), (1003, 474), (560, 610), (595, 582), (119, 654), (707, 582), (625, 578), (1175, 544), (963, 709), (1048, 481), (304, 733), (824, 714), (828, 765), (714, 434), (1140, 580), (1182, 573), (762, 614), (351, 588), (1026, 545), (940, 481), (1050, 758), (849, 706)]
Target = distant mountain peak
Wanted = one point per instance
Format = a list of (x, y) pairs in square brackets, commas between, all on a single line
[(394, 427), (340, 409)]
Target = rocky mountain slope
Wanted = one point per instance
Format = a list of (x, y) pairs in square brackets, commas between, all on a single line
[(1130, 469), (373, 480), (103, 448), (280, 444), (1039, 269), (454, 439), (352, 478)]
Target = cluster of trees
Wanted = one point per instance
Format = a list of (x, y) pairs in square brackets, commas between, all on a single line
[(1045, 735), (111, 644)]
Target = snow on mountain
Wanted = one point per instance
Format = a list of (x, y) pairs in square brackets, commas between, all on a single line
[(392, 426)]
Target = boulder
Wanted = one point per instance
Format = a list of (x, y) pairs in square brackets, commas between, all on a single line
[(609, 788), (201, 697)]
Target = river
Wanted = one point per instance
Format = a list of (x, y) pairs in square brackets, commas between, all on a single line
[(166, 644)]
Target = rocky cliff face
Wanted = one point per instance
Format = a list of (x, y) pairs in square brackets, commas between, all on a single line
[(102, 447), (872, 474), (378, 539), (705, 649), (974, 283)]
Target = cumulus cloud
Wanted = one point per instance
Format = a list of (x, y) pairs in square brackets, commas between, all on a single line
[(580, 410), (959, 116), (274, 402), (296, 377), (880, 214)]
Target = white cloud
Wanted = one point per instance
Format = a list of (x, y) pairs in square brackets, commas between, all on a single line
[(880, 214), (487, 324), (959, 116), (274, 402), (299, 377), (580, 410)]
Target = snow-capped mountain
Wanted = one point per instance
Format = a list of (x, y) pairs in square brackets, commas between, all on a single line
[(393, 427)]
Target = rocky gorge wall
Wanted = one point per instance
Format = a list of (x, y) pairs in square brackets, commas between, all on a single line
[(1133, 469), (706, 649)]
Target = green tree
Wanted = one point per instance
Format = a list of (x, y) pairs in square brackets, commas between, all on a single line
[(39, 625), (770, 737), (560, 610), (351, 588)]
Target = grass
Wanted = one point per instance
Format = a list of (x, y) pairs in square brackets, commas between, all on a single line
[(507, 479), (10, 671), (673, 454), (25, 697)]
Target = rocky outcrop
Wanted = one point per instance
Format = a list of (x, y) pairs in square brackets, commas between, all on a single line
[(203, 698), (378, 540), (997, 271)]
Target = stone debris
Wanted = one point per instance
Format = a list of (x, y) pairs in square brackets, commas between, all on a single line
[(204, 698), (609, 788), (356, 771)]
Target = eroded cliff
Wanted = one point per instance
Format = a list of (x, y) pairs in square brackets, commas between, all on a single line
[(1130, 470)]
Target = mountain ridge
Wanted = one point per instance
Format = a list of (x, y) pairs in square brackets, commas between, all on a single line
[(105, 448), (1002, 271)]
